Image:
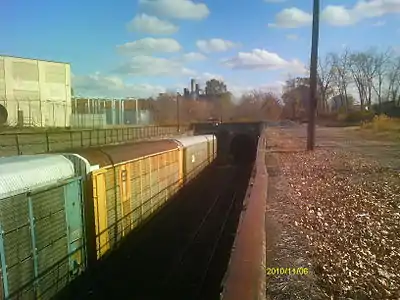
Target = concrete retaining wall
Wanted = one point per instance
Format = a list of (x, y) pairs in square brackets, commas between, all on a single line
[(246, 275)]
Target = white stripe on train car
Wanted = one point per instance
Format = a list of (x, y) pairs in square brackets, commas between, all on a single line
[(94, 168)]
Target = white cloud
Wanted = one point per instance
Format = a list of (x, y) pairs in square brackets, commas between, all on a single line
[(188, 57), (292, 18), (150, 46), (376, 8), (208, 76), (178, 9), (188, 72), (151, 25), (292, 37), (154, 66), (215, 45), (98, 85), (338, 16), (263, 60), (194, 56)]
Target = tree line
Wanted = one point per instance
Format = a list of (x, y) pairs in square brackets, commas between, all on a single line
[(353, 83), (349, 82), (372, 76), (217, 103)]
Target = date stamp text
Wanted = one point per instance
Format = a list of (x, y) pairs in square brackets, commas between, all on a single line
[(286, 271)]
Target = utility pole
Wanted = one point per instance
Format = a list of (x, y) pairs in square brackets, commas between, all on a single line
[(177, 111), (313, 77)]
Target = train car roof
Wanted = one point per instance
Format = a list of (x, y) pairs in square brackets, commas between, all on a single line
[(114, 154), (210, 136), (187, 141), (19, 174)]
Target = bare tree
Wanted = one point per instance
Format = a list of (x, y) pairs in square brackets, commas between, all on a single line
[(165, 107), (393, 78), (246, 109), (296, 94), (258, 105), (224, 106), (381, 69), (356, 67), (325, 81), (341, 73), (271, 108), (364, 66)]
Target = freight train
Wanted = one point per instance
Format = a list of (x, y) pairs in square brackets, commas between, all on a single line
[(61, 213)]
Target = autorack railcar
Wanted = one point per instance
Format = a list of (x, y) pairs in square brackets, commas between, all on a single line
[(42, 240), (60, 213), (212, 147), (125, 184), (195, 154)]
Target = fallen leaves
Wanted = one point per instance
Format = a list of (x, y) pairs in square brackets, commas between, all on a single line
[(347, 209)]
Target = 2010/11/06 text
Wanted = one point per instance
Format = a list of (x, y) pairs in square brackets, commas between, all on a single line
[(287, 271)]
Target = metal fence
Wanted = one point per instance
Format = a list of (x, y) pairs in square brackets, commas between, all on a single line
[(36, 113), (110, 112), (88, 121), (18, 143), (77, 113)]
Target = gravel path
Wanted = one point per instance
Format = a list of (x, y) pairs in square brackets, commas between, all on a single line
[(335, 211)]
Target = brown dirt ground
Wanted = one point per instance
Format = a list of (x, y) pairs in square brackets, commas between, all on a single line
[(335, 211)]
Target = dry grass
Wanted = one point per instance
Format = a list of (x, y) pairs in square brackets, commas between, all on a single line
[(381, 127), (382, 123)]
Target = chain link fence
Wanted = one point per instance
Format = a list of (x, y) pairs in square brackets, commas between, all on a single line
[(89, 112), (78, 113), (18, 143), (34, 113), (32, 126)]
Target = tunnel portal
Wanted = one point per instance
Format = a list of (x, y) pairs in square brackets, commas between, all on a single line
[(243, 148)]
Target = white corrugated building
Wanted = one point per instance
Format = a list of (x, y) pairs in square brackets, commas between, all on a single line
[(35, 92)]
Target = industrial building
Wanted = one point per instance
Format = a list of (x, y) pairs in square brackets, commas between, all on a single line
[(195, 92), (34, 92)]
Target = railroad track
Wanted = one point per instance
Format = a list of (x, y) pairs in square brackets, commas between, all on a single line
[(183, 252), (189, 274)]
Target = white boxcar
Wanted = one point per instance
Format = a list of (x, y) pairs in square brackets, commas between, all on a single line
[(35, 92)]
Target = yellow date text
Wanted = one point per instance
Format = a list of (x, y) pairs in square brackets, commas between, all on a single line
[(286, 271)]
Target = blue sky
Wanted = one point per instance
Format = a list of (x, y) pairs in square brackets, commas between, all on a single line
[(142, 47)]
